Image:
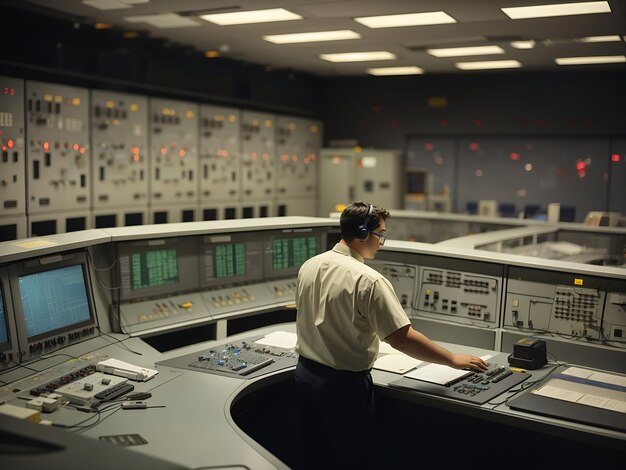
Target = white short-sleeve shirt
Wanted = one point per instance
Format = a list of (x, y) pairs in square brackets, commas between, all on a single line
[(344, 307)]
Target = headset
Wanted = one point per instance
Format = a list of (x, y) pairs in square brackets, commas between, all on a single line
[(363, 231)]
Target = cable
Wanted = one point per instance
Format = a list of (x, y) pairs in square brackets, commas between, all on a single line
[(121, 341), (95, 268)]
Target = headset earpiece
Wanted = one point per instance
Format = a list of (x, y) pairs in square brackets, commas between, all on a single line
[(363, 231)]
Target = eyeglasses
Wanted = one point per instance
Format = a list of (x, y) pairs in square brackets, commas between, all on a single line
[(381, 237)]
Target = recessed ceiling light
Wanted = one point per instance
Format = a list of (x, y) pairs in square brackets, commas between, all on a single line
[(614, 38), (252, 16), (489, 64), (312, 37), (557, 9), (358, 56), (409, 19), (163, 20), (606, 59), (396, 71), (523, 44), (464, 51)]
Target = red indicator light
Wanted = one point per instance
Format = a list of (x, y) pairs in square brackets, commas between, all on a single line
[(580, 166), (46, 145), (10, 143), (514, 156), (616, 157), (75, 147), (82, 150), (474, 146), (428, 146)]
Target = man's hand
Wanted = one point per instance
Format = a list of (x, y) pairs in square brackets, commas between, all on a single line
[(467, 361)]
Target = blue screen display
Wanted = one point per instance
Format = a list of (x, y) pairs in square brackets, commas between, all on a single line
[(54, 299), (4, 337)]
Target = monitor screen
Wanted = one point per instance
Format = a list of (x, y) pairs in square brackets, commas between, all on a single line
[(4, 331), (54, 300), (155, 268), (231, 259), (286, 252)]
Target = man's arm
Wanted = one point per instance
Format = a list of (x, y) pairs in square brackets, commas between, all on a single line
[(415, 344)]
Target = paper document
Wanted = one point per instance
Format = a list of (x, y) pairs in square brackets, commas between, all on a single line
[(279, 339), (583, 394), (397, 363), (438, 374)]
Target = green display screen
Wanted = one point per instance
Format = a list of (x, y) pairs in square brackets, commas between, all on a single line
[(292, 252), (230, 260), (153, 269)]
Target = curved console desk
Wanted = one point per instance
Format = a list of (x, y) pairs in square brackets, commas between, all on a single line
[(199, 420)]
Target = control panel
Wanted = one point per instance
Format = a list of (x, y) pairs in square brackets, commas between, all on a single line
[(403, 278), (58, 148), (173, 152), (551, 302), (614, 320), (241, 359), (257, 155), (12, 162), (464, 295), (136, 317), (219, 153), (477, 388), (37, 348), (120, 149), (297, 147)]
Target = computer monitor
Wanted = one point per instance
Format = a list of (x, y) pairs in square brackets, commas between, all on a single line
[(230, 259), (286, 251), (52, 301), (157, 268)]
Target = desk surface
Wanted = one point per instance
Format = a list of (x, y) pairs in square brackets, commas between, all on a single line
[(195, 428)]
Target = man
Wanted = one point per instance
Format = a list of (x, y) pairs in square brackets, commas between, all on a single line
[(344, 307)]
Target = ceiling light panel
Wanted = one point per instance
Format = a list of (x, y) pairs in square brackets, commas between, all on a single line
[(558, 9), (523, 44), (465, 51), (164, 20), (489, 65), (607, 59), (613, 38), (252, 16), (386, 71), (410, 19), (358, 56), (312, 37)]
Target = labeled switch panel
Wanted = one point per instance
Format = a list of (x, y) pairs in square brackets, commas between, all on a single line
[(120, 148), (173, 152), (556, 303), (614, 320), (12, 161), (58, 157), (257, 155), (298, 142), (219, 153), (451, 293), (402, 278)]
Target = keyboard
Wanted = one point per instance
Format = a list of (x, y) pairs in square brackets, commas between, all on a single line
[(114, 392)]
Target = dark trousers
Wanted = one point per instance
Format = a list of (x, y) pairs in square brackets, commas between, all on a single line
[(335, 417)]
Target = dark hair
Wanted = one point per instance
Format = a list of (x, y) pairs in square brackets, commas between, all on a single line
[(355, 214)]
